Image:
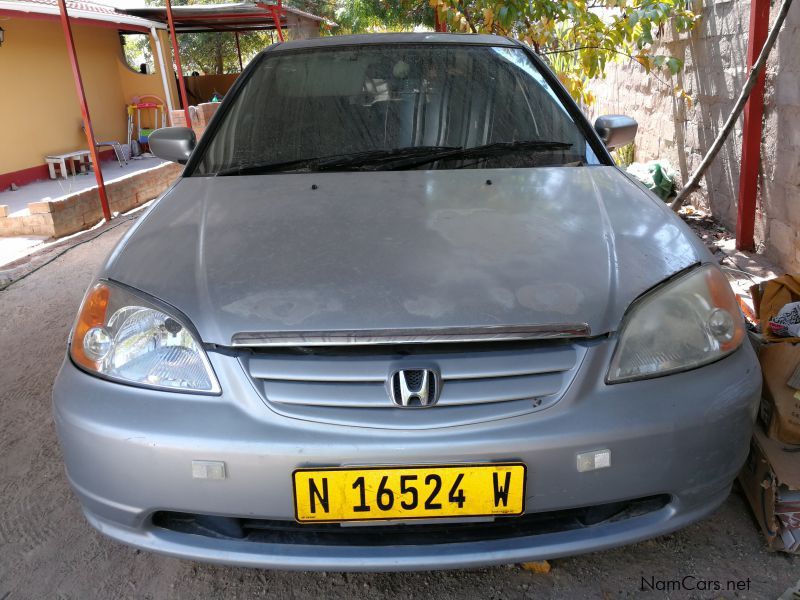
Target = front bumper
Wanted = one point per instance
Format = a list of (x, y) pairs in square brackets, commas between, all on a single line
[(129, 451)]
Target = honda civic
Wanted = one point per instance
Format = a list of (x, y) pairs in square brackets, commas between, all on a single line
[(402, 311)]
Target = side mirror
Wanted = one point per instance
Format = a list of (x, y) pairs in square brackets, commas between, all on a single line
[(616, 130), (173, 143)]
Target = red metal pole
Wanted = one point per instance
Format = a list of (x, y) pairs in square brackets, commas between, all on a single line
[(438, 24), (751, 138), (87, 121), (239, 51), (275, 11), (276, 18), (177, 52)]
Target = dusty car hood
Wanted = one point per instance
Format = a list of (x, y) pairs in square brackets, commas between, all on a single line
[(404, 249)]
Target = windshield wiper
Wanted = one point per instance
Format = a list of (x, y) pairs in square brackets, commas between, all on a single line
[(398, 158), (376, 157), (486, 151), (351, 160), (299, 164)]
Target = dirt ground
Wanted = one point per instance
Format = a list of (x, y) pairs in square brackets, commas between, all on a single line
[(47, 550)]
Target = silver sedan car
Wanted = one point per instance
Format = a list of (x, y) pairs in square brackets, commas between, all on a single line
[(402, 311)]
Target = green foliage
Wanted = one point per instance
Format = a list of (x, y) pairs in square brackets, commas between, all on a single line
[(136, 48), (625, 155), (360, 16), (215, 52), (581, 38)]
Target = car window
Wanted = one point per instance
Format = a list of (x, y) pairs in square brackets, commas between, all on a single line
[(368, 100)]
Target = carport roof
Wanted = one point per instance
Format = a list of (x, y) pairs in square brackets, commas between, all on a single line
[(241, 16), (80, 11)]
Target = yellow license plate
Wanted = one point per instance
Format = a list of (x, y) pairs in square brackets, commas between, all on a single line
[(418, 492)]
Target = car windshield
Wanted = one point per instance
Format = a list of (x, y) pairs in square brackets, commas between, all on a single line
[(388, 107)]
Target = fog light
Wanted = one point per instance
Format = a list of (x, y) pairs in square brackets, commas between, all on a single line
[(589, 461), (208, 469)]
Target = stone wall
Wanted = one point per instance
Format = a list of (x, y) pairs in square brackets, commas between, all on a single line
[(82, 210), (715, 54)]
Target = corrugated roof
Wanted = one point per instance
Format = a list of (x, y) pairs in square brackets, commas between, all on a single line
[(224, 17), (188, 18), (83, 5), (78, 9)]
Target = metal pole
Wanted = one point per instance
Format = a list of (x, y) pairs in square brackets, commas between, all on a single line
[(177, 53), (163, 67), (276, 18), (275, 11), (752, 79), (438, 24), (238, 51), (751, 132), (87, 121)]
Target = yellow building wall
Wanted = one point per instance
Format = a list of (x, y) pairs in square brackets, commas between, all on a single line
[(39, 110)]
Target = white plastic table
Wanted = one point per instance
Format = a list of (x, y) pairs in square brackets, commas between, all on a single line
[(82, 157)]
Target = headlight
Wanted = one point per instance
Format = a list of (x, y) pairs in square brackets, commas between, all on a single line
[(124, 337), (688, 322)]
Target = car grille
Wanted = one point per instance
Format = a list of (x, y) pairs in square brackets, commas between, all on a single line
[(479, 381), (442, 532)]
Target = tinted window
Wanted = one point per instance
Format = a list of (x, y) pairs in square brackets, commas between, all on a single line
[(337, 101)]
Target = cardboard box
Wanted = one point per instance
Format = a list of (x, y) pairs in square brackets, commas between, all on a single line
[(178, 118), (770, 479), (780, 404), (205, 111)]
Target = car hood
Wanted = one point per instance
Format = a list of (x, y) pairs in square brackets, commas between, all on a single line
[(404, 250)]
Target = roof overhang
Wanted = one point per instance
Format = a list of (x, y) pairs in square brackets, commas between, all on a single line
[(241, 16), (87, 13)]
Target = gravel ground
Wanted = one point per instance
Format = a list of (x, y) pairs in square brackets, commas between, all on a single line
[(47, 550)]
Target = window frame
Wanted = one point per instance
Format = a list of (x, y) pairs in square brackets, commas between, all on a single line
[(156, 67)]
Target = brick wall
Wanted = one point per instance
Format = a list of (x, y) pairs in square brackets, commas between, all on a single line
[(715, 55), (82, 210)]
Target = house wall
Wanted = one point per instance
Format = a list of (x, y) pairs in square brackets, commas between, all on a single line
[(38, 101), (715, 72)]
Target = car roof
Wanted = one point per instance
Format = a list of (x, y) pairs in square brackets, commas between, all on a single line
[(394, 38)]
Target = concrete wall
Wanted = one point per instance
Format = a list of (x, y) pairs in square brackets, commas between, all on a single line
[(715, 55), (39, 108)]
